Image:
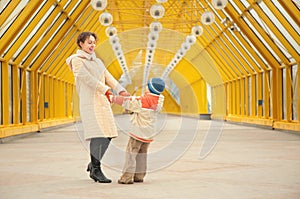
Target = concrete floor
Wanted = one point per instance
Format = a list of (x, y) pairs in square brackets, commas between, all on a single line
[(246, 162)]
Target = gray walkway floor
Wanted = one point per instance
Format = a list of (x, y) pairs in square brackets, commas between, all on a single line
[(246, 162)]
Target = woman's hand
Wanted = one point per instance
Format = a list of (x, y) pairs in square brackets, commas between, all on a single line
[(108, 95)]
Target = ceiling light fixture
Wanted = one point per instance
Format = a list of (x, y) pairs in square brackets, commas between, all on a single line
[(99, 4)]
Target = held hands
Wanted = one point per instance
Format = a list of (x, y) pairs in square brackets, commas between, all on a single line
[(124, 93), (118, 99)]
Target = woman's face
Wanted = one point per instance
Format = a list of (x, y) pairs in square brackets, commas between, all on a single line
[(89, 44)]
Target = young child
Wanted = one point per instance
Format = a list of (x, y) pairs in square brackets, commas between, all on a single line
[(145, 109)]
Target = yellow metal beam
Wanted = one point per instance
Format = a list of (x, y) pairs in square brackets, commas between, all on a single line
[(57, 58), (220, 62), (54, 62), (8, 11), (56, 39), (238, 58), (18, 24), (283, 40), (283, 20), (251, 36), (37, 35), (261, 65), (234, 63), (291, 9), (264, 34), (25, 33), (249, 61)]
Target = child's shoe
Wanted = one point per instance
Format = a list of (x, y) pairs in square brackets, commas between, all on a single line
[(138, 180), (125, 181)]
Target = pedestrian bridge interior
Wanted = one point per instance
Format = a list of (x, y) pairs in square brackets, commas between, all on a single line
[(235, 60)]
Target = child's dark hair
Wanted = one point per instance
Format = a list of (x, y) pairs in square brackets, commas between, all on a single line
[(83, 36)]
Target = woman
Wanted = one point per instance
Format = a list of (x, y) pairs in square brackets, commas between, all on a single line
[(93, 84)]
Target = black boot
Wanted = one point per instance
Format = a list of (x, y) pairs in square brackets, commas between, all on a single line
[(96, 173), (98, 146), (89, 167)]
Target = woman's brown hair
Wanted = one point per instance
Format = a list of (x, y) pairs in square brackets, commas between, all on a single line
[(83, 36)]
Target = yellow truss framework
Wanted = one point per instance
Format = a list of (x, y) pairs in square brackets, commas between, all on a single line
[(249, 58)]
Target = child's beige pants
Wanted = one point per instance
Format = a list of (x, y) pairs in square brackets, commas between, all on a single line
[(135, 166)]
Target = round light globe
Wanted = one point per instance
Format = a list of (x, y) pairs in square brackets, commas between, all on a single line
[(208, 18), (219, 4), (106, 19), (197, 30), (110, 31), (157, 11), (99, 4)]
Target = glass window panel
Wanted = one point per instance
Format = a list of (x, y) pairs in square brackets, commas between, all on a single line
[(1, 93), (263, 98), (47, 43), (249, 97), (271, 91), (297, 3), (254, 48), (286, 15), (238, 51), (270, 33), (245, 2), (22, 30), (42, 36), (36, 28), (218, 48), (255, 85), (233, 61), (262, 39), (3, 4), (235, 7), (209, 97), (173, 89), (28, 103), (19, 93), (295, 92), (283, 93), (73, 9), (67, 4), (249, 54), (281, 29), (10, 95), (20, 86), (13, 16)]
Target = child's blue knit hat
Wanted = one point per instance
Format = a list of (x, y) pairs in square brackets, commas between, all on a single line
[(156, 85)]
